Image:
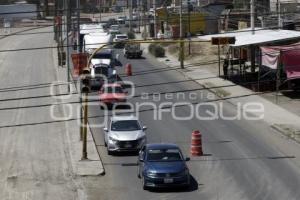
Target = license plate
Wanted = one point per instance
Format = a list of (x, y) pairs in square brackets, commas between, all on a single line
[(168, 180)]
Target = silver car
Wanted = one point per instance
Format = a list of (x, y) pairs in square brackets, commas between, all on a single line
[(124, 133)]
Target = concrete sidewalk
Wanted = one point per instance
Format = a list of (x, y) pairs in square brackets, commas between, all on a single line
[(93, 166), (275, 116)]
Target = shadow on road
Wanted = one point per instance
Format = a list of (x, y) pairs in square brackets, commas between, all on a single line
[(192, 187), (125, 153)]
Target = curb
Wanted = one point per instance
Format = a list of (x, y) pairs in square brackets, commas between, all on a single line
[(290, 134)]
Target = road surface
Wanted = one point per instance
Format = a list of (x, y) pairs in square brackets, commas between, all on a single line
[(34, 158), (243, 158)]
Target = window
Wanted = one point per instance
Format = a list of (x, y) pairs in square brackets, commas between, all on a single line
[(161, 155), (103, 56), (125, 125), (111, 90)]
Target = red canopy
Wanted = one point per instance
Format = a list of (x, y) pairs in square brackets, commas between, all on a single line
[(289, 56)]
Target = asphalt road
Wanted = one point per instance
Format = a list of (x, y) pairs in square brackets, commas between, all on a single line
[(35, 161), (244, 159), (241, 158)]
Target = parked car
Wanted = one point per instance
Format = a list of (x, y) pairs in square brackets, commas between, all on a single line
[(163, 165), (116, 9), (119, 40), (101, 73), (132, 51), (111, 21), (121, 20), (114, 29), (112, 93), (124, 133)]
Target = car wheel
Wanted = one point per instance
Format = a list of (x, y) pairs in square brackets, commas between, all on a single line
[(109, 152), (144, 184)]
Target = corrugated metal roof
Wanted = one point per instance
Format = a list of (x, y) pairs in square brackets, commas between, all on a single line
[(262, 36)]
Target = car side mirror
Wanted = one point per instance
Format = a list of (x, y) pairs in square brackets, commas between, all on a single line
[(187, 159), (144, 128), (105, 129)]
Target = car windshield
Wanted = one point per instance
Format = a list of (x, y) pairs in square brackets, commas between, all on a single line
[(102, 56), (162, 155), (114, 27), (125, 125), (111, 89), (121, 36)]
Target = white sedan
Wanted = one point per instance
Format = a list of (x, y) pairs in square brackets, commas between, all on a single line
[(124, 133)]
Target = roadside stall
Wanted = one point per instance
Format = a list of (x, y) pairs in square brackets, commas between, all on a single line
[(244, 56)]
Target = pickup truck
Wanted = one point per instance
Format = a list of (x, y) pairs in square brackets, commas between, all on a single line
[(132, 51)]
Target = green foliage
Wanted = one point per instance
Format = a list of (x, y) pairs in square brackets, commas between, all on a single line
[(131, 35), (156, 50), (144, 34)]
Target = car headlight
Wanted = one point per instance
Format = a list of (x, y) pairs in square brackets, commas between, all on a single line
[(112, 139), (151, 174), (90, 51)]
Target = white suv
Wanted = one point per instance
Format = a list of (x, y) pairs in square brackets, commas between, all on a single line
[(120, 38)]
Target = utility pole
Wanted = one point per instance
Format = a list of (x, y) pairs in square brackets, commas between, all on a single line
[(78, 26), (55, 29), (144, 22), (252, 7), (278, 8), (100, 11), (139, 9), (155, 27), (189, 15), (181, 39), (79, 50), (84, 142), (68, 9), (130, 15)]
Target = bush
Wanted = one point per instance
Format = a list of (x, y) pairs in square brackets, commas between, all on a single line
[(131, 35), (151, 48), (144, 34), (156, 50)]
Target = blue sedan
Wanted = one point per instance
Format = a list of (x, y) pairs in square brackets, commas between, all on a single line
[(163, 165)]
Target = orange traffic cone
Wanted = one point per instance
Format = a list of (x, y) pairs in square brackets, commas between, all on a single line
[(196, 144), (128, 69)]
